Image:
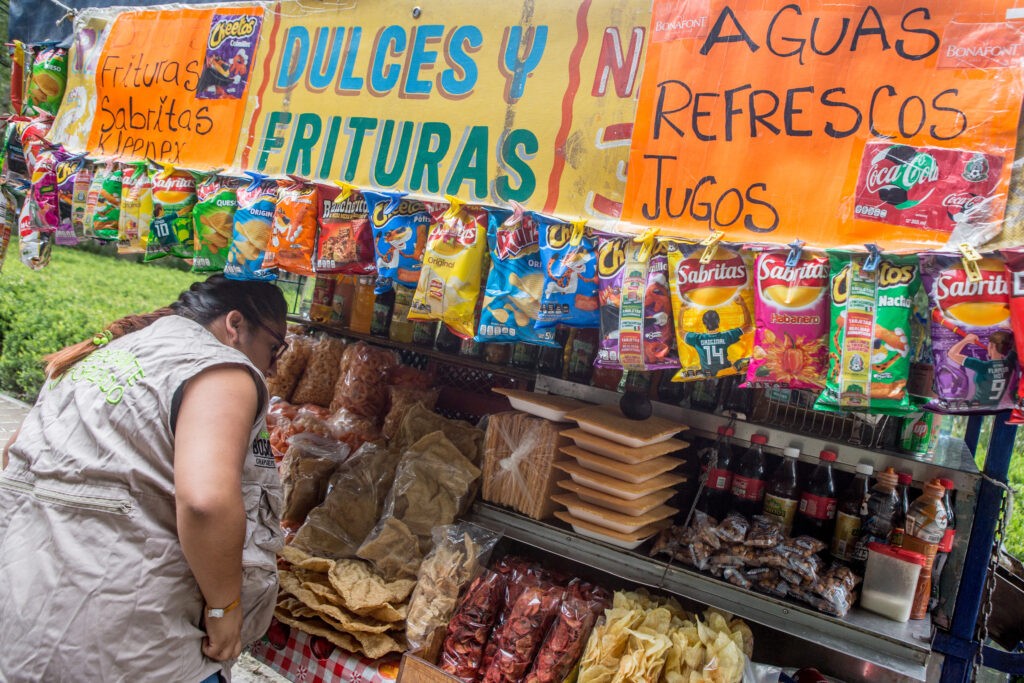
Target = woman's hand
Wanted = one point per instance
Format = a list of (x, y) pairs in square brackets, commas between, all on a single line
[(223, 639)]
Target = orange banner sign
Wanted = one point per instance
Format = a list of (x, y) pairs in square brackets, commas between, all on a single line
[(834, 123)]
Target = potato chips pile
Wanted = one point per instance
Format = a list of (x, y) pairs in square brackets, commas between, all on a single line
[(644, 639)]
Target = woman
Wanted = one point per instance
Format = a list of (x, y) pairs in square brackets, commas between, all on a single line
[(140, 501)]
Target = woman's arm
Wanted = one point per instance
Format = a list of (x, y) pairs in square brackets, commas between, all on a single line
[(217, 413), (7, 447)]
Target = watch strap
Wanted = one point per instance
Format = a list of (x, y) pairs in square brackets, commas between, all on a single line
[(219, 612)]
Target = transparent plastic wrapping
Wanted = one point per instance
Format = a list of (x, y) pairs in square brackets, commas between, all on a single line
[(419, 421), (519, 454), (309, 464), (338, 526), (361, 385), (403, 398), (523, 632), (460, 552), (321, 373), (471, 626), (566, 638), (431, 485), (355, 430), (312, 422), (290, 367)]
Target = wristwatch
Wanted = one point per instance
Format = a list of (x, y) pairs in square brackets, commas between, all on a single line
[(219, 612)]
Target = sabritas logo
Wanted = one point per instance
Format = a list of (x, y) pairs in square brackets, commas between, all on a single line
[(511, 241), (713, 283), (796, 287), (983, 303), (242, 27)]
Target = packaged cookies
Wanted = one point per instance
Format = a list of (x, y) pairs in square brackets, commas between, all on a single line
[(400, 229), (570, 294), (254, 219), (212, 221)]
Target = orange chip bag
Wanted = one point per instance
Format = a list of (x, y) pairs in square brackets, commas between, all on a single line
[(293, 237)]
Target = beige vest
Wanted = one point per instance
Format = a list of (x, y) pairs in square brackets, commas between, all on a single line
[(93, 582)]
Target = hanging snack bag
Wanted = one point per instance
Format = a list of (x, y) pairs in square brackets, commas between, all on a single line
[(67, 170), (713, 306), (400, 229), (254, 219), (569, 256), (515, 282), (49, 77), (1015, 277), (345, 242), (791, 335), (36, 247), (212, 220), (39, 212), (972, 341), (15, 167), (134, 219), (79, 199), (8, 221), (33, 140), (869, 341), (449, 284), (294, 234), (103, 204), (636, 307), (174, 197)]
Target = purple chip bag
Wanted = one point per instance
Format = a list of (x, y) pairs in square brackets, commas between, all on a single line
[(230, 50), (67, 169), (972, 341), (39, 211), (636, 308)]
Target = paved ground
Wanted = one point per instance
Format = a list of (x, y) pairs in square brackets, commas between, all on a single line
[(12, 412)]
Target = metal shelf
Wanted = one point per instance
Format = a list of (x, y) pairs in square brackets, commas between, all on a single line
[(900, 648)]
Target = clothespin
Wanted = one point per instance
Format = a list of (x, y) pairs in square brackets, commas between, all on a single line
[(970, 260), (578, 227), (646, 240), (796, 248), (454, 206), (873, 259), (517, 215), (346, 190), (167, 170), (710, 244)]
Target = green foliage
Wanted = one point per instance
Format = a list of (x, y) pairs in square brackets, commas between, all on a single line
[(70, 300)]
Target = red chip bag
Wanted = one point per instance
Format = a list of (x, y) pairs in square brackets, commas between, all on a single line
[(345, 243), (293, 236)]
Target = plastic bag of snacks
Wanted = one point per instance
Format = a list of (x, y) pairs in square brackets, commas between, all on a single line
[(103, 203), (174, 197), (515, 282), (136, 208), (361, 384), (254, 219), (294, 234), (972, 339), (399, 235), (713, 305), (33, 140), (307, 469), (39, 212), (35, 248), (468, 630), (8, 221), (636, 308), (869, 343), (1015, 278), (48, 80), (321, 373), (523, 633), (345, 241), (212, 219), (67, 170), (563, 645), (402, 399), (79, 199), (291, 366), (791, 336), (449, 282), (569, 257)]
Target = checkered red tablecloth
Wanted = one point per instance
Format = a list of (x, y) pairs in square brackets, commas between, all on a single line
[(303, 658)]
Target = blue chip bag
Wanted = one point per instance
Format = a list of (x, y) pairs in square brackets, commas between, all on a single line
[(253, 223), (569, 255), (515, 283), (400, 228)]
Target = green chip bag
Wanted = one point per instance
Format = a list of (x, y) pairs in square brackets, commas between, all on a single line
[(170, 231), (103, 203), (869, 344), (47, 82), (213, 218)]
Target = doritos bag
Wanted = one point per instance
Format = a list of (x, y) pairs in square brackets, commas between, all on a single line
[(400, 229), (212, 220), (636, 308), (39, 212), (136, 208), (570, 295), (869, 342), (103, 205), (515, 283), (49, 78), (791, 335), (294, 234), (973, 351), (449, 284), (254, 219), (174, 196), (345, 240)]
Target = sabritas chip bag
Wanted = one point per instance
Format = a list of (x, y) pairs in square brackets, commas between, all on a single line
[(136, 208), (344, 243), (972, 341), (1015, 276), (869, 339), (212, 219), (449, 283), (174, 197), (254, 220), (49, 77), (569, 255), (712, 306), (294, 234), (103, 204), (515, 282), (39, 212), (400, 229), (791, 335)]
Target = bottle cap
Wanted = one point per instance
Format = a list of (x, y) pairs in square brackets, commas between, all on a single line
[(759, 439), (791, 452), (727, 431), (864, 468), (898, 553), (947, 483), (905, 478), (828, 456), (934, 489), (888, 477)]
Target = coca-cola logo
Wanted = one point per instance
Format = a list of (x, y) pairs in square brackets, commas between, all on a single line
[(772, 270), (920, 170), (953, 287), (510, 242), (730, 272), (964, 201)]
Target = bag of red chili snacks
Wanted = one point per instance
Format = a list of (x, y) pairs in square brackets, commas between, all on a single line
[(522, 634), (519, 575), (565, 640), (1015, 275), (469, 629)]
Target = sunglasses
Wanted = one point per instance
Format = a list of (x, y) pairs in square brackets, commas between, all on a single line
[(278, 349)]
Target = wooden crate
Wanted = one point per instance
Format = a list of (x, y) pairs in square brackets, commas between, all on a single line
[(416, 666)]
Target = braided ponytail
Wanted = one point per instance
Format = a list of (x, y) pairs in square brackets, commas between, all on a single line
[(203, 302)]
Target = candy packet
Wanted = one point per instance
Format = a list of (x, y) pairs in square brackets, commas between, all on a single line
[(48, 80), (103, 203), (515, 282), (712, 305), (569, 256), (973, 349), (294, 235), (636, 308), (136, 208), (449, 284), (869, 340), (174, 197), (345, 241), (792, 315), (400, 229), (212, 220), (254, 219), (40, 212)]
